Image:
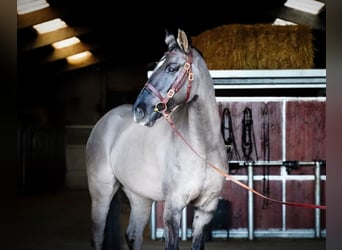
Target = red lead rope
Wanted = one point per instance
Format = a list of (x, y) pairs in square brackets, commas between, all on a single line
[(229, 177)]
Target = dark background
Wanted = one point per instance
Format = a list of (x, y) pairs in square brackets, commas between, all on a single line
[(129, 37), (128, 33), (11, 99)]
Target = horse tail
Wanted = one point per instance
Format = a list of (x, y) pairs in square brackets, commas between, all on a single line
[(113, 236)]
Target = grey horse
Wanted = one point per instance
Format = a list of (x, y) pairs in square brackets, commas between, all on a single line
[(159, 149)]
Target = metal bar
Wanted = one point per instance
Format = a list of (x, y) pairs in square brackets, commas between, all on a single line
[(267, 86), (283, 195), (272, 82), (274, 163), (250, 205), (269, 98), (318, 200), (153, 224), (256, 79), (283, 172), (259, 73), (184, 224), (267, 233), (266, 74), (240, 233)]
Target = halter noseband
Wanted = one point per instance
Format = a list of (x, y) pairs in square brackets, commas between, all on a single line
[(162, 107)]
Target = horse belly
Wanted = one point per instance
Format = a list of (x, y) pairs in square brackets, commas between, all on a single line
[(134, 163)]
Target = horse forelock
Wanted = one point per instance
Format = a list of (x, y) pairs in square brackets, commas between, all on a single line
[(160, 63)]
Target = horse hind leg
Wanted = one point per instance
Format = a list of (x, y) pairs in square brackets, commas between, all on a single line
[(101, 195), (139, 217)]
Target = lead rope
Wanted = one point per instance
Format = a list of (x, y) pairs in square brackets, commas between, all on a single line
[(229, 177)]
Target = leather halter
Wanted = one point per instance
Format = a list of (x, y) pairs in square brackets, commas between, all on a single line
[(162, 106)]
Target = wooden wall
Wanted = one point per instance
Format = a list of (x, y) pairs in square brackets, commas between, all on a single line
[(297, 133)]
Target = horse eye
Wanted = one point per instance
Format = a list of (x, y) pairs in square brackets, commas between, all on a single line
[(171, 69)]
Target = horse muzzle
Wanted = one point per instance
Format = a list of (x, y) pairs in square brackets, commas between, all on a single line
[(145, 116)]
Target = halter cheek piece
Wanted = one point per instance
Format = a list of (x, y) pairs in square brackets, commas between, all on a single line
[(162, 106)]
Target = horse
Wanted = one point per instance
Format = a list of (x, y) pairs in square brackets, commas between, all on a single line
[(159, 149)]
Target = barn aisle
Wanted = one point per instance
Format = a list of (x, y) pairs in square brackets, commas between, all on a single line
[(60, 221)]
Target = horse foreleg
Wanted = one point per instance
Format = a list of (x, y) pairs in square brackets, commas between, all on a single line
[(139, 217), (172, 217), (201, 220)]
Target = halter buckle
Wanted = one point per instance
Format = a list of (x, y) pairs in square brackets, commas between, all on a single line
[(170, 93), (191, 76), (187, 66)]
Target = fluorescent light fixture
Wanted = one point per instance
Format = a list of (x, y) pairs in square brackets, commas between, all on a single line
[(27, 6), (279, 21), (49, 26), (78, 58), (66, 42), (309, 6)]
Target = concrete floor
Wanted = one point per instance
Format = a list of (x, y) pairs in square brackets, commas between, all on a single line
[(61, 221)]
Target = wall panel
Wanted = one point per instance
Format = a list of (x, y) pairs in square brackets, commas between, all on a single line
[(287, 161)]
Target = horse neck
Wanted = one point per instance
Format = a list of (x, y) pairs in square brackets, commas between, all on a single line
[(203, 121), (203, 115)]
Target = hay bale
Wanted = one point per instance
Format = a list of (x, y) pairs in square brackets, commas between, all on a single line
[(260, 46)]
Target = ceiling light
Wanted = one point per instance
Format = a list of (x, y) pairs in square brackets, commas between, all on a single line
[(49, 26), (279, 21), (78, 58), (309, 6), (27, 6), (66, 42)]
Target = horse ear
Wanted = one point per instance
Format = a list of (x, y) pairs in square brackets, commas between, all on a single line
[(182, 41), (170, 40)]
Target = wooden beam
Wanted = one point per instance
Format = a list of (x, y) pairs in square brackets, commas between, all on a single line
[(58, 54), (299, 17), (39, 16), (56, 67), (54, 36)]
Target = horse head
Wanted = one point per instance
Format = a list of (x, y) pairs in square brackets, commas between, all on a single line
[(169, 84)]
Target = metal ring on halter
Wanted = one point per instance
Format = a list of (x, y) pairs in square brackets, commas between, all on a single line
[(160, 107)]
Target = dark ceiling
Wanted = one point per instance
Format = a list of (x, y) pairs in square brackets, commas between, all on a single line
[(127, 33)]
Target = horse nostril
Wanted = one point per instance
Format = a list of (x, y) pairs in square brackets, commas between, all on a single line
[(139, 113)]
